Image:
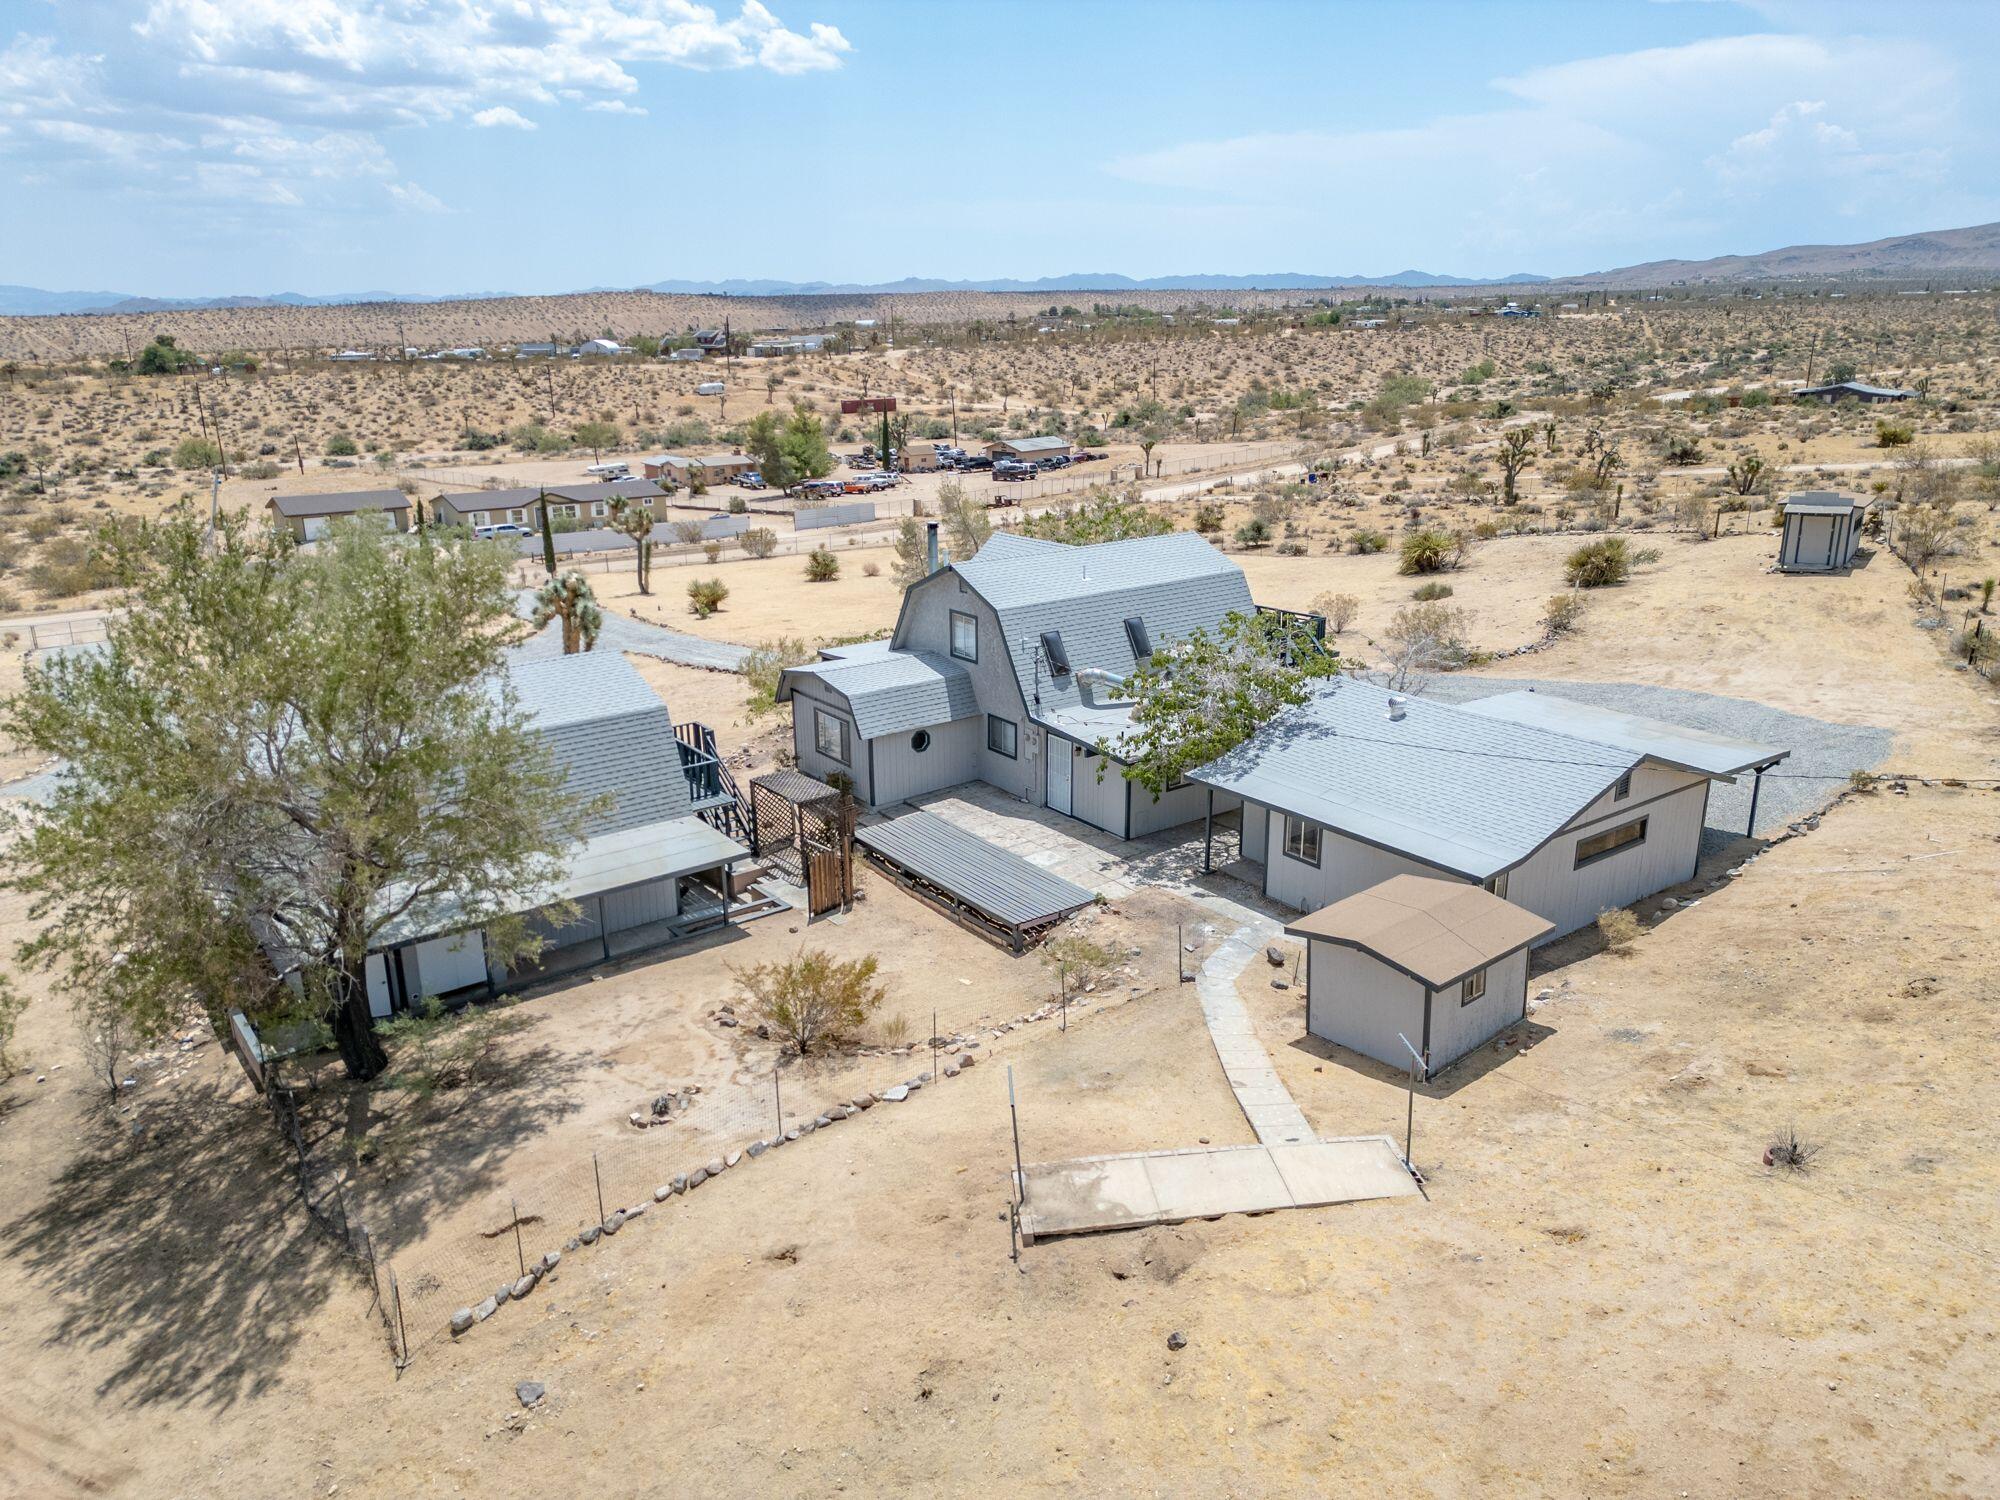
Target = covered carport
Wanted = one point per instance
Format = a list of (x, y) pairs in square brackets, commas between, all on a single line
[(995, 893)]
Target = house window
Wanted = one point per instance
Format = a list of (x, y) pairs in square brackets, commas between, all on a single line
[(1055, 653), (1604, 845), (597, 507), (1623, 788), (1142, 644), (1003, 736), (517, 516), (964, 636), (1302, 840), (920, 741), (1497, 884), (1472, 988), (830, 735)]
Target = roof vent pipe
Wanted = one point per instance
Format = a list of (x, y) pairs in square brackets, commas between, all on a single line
[(930, 547), (1396, 704)]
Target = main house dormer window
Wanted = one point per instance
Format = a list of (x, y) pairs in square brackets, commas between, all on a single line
[(964, 636)]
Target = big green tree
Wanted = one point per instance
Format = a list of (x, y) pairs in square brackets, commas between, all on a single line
[(790, 451), (1102, 516), (1205, 694), (277, 754)]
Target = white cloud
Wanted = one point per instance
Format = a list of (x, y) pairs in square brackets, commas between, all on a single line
[(417, 199), (501, 114), (1615, 150), (613, 107)]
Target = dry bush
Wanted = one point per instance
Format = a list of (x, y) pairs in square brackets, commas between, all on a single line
[(1619, 929), (814, 999)]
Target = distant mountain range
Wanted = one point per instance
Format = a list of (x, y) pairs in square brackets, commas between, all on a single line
[(1975, 251)]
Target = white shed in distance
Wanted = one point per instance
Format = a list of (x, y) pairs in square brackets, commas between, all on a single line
[(1442, 963)]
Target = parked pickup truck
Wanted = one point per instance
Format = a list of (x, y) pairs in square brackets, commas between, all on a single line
[(1012, 469)]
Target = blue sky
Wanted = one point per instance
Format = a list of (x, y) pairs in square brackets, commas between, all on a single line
[(187, 147)]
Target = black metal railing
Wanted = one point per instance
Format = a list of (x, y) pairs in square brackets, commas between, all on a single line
[(717, 800)]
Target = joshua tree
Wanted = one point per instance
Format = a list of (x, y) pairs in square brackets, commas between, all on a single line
[(630, 515), (1517, 452), (567, 597)]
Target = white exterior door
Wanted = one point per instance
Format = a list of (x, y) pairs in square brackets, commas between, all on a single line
[(1062, 773), (377, 972)]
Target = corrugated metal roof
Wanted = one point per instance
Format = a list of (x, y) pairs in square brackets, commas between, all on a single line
[(1176, 584), (1435, 931), (343, 503), (1470, 793), (1824, 502), (1671, 744), (1033, 444), (999, 884), (893, 692)]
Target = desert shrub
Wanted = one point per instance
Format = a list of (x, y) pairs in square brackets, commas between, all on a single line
[(705, 596), (1599, 564), (1366, 541), (1253, 533), (688, 533), (1893, 434), (1431, 550), (1078, 959), (340, 445), (738, 506), (1863, 781), (1429, 591), (813, 999), (1208, 519), (821, 566), (871, 569), (1564, 612), (1618, 927), (12, 1003), (433, 1050), (197, 453), (711, 549), (1645, 557), (763, 667), (1788, 1151), (758, 541), (1290, 549), (475, 441), (1339, 610)]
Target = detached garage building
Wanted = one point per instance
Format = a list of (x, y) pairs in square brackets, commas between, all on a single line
[(1822, 532), (1443, 964)]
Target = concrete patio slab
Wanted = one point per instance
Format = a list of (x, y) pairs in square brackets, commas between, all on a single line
[(1099, 1193)]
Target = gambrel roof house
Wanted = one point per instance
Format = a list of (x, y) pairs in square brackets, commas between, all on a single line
[(1562, 808), (1006, 668)]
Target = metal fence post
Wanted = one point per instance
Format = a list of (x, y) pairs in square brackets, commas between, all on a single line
[(520, 1256), (597, 1177)]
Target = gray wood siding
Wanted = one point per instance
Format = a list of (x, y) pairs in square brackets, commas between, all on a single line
[(1345, 867), (1457, 1029), (925, 625), (900, 772), (1360, 1004), (1255, 833), (805, 747), (1182, 805), (1550, 885), (1100, 804), (654, 901)]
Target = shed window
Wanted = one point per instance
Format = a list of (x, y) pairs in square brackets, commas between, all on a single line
[(964, 636), (1142, 644), (1623, 789), (1472, 988), (1604, 845), (1055, 653), (1302, 840), (920, 741), (1003, 736), (830, 735)]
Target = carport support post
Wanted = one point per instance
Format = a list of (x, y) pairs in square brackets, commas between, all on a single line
[(1208, 835), (1020, 1173), (1756, 786), (1410, 1114)]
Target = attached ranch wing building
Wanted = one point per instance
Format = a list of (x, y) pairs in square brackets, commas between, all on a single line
[(1562, 809)]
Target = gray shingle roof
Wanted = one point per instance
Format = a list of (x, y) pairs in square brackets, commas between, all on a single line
[(609, 731), (343, 503), (1669, 744), (894, 692), (1175, 583), (1466, 792)]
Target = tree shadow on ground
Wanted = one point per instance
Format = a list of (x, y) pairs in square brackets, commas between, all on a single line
[(177, 1244)]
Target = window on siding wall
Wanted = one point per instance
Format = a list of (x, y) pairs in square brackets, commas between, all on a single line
[(1498, 885), (1623, 788), (830, 735), (1302, 840), (964, 636), (1003, 736), (1472, 987), (1604, 845)]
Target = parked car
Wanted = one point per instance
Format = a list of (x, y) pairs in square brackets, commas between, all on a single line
[(751, 480), (504, 528), (882, 480), (859, 485), (1012, 469), (975, 461), (859, 461), (821, 489)]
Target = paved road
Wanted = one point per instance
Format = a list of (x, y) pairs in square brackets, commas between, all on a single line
[(623, 633)]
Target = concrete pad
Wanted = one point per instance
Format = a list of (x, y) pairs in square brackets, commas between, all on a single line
[(1100, 1193)]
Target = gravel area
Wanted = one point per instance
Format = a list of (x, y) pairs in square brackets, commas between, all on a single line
[(623, 633), (1822, 753)]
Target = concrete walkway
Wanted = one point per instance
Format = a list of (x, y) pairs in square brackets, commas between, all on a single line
[(1265, 1100), (1099, 1193)]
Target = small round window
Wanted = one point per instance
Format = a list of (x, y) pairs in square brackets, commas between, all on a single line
[(920, 741)]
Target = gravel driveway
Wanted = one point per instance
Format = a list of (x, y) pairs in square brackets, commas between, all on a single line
[(623, 633), (1822, 753)]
